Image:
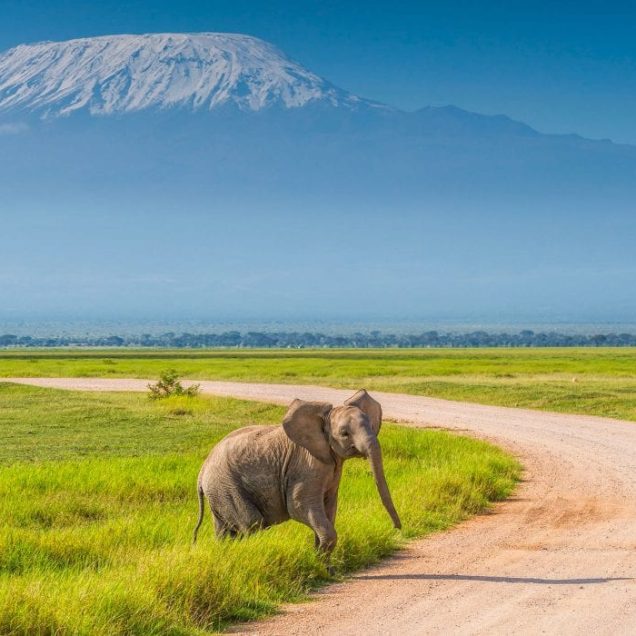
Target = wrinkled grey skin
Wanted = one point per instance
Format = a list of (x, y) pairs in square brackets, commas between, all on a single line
[(259, 476)]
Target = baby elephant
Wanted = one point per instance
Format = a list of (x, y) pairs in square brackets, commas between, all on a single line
[(259, 476)]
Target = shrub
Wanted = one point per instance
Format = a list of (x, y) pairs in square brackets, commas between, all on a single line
[(169, 385)]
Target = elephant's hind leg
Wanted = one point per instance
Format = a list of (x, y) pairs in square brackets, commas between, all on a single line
[(237, 515), (249, 517), (221, 529)]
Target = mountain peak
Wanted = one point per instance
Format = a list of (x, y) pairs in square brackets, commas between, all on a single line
[(126, 73)]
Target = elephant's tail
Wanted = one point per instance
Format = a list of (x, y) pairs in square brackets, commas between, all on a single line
[(201, 513)]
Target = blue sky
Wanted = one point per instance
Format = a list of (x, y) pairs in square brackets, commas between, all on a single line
[(559, 66)]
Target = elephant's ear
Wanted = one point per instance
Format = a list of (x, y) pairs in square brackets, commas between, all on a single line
[(305, 424), (369, 406)]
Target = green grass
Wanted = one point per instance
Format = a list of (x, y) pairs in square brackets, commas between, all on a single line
[(97, 502), (591, 381)]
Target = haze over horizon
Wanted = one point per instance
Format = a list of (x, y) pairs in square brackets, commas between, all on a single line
[(183, 178)]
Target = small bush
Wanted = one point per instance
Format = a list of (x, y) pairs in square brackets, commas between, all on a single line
[(169, 385)]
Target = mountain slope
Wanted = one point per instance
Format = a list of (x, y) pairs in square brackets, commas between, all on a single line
[(128, 73)]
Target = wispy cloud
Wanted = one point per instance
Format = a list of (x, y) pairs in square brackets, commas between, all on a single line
[(13, 129)]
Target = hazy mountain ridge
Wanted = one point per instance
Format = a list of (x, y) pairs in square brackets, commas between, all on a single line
[(229, 112), (207, 72)]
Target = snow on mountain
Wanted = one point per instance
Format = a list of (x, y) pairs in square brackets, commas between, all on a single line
[(127, 73)]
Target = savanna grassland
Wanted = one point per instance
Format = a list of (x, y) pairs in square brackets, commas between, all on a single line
[(97, 500), (597, 381)]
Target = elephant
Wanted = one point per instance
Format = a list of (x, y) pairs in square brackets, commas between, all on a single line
[(259, 476)]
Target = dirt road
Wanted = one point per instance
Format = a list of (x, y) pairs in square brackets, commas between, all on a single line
[(558, 558)]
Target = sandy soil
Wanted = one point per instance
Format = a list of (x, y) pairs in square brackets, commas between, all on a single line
[(558, 558)]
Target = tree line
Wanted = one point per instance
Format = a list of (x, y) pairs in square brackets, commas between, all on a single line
[(298, 340)]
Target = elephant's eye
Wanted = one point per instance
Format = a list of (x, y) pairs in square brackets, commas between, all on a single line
[(344, 433)]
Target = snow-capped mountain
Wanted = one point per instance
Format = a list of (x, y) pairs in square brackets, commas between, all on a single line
[(129, 73)]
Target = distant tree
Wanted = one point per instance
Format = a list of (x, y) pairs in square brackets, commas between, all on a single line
[(599, 339)]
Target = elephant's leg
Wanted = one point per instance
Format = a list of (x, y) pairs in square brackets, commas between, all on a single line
[(221, 529), (248, 517), (331, 505), (306, 503), (325, 536), (235, 514)]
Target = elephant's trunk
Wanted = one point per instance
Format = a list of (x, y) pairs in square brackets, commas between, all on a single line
[(374, 454)]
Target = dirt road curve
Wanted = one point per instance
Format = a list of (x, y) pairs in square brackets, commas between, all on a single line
[(559, 558)]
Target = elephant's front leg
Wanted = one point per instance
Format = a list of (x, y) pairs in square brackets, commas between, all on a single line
[(306, 503), (324, 532), (331, 506), (308, 507)]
